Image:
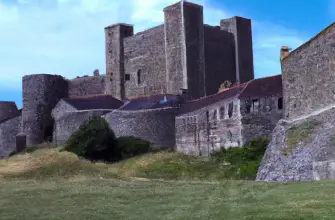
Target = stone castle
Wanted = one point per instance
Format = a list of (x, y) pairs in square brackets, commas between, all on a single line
[(184, 85)]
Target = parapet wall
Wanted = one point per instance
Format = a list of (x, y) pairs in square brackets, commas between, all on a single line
[(90, 85), (156, 125)]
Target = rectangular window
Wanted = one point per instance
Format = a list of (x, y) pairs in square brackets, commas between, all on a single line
[(280, 103), (222, 112), (127, 77), (138, 77), (230, 110), (255, 104)]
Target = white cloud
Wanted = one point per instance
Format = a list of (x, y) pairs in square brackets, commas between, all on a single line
[(67, 37)]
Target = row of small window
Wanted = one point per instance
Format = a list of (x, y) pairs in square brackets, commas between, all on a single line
[(254, 104), (139, 80), (222, 112)]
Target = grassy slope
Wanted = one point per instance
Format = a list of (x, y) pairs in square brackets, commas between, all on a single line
[(52, 185)]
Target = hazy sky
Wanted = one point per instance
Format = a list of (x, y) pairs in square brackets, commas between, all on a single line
[(66, 37)]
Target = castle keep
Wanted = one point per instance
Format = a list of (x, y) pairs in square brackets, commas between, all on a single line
[(183, 54), (183, 85)]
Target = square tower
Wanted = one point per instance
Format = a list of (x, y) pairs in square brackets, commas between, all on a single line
[(184, 48), (114, 47), (241, 29)]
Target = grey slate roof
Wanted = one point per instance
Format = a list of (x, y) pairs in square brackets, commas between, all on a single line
[(94, 102)]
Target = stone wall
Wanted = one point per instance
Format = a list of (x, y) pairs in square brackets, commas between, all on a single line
[(61, 109), (114, 36), (69, 122), (8, 131), (300, 150), (219, 58), (184, 47), (144, 61), (156, 125), (199, 132), (7, 109), (241, 29), (90, 85), (260, 116), (41, 93), (309, 75)]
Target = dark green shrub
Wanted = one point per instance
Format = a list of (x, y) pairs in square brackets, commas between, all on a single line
[(130, 147), (243, 161), (94, 141)]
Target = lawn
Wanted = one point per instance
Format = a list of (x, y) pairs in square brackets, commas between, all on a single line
[(49, 184), (82, 198)]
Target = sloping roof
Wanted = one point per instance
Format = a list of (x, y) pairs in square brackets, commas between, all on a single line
[(263, 87), (151, 102), (94, 102), (324, 31), (208, 100)]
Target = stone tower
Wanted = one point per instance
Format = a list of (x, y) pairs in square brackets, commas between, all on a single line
[(114, 36), (41, 93), (241, 29), (184, 48)]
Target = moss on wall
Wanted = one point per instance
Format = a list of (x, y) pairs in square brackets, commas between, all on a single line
[(299, 133)]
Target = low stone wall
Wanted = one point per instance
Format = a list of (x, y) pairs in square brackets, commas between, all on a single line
[(70, 123), (155, 125), (8, 131), (298, 149)]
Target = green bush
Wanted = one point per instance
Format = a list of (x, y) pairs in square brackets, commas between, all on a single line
[(94, 141), (128, 147), (243, 161)]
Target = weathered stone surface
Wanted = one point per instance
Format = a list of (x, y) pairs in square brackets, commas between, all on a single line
[(261, 118), (241, 29), (69, 122), (156, 125), (282, 162), (8, 131), (218, 44), (144, 61), (309, 75), (90, 85), (41, 93)]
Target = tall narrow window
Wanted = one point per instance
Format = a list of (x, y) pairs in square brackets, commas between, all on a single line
[(215, 115), (222, 112), (138, 77), (280, 103), (230, 110)]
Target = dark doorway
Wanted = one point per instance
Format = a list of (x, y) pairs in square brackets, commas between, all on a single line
[(48, 130)]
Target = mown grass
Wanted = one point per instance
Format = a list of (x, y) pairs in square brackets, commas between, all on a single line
[(48, 184)]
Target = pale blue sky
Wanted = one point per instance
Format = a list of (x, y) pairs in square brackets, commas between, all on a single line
[(66, 37)]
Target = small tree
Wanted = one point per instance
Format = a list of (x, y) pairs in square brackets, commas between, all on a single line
[(94, 140)]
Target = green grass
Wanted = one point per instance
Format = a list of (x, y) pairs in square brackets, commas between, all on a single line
[(299, 133), (48, 184), (115, 199)]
